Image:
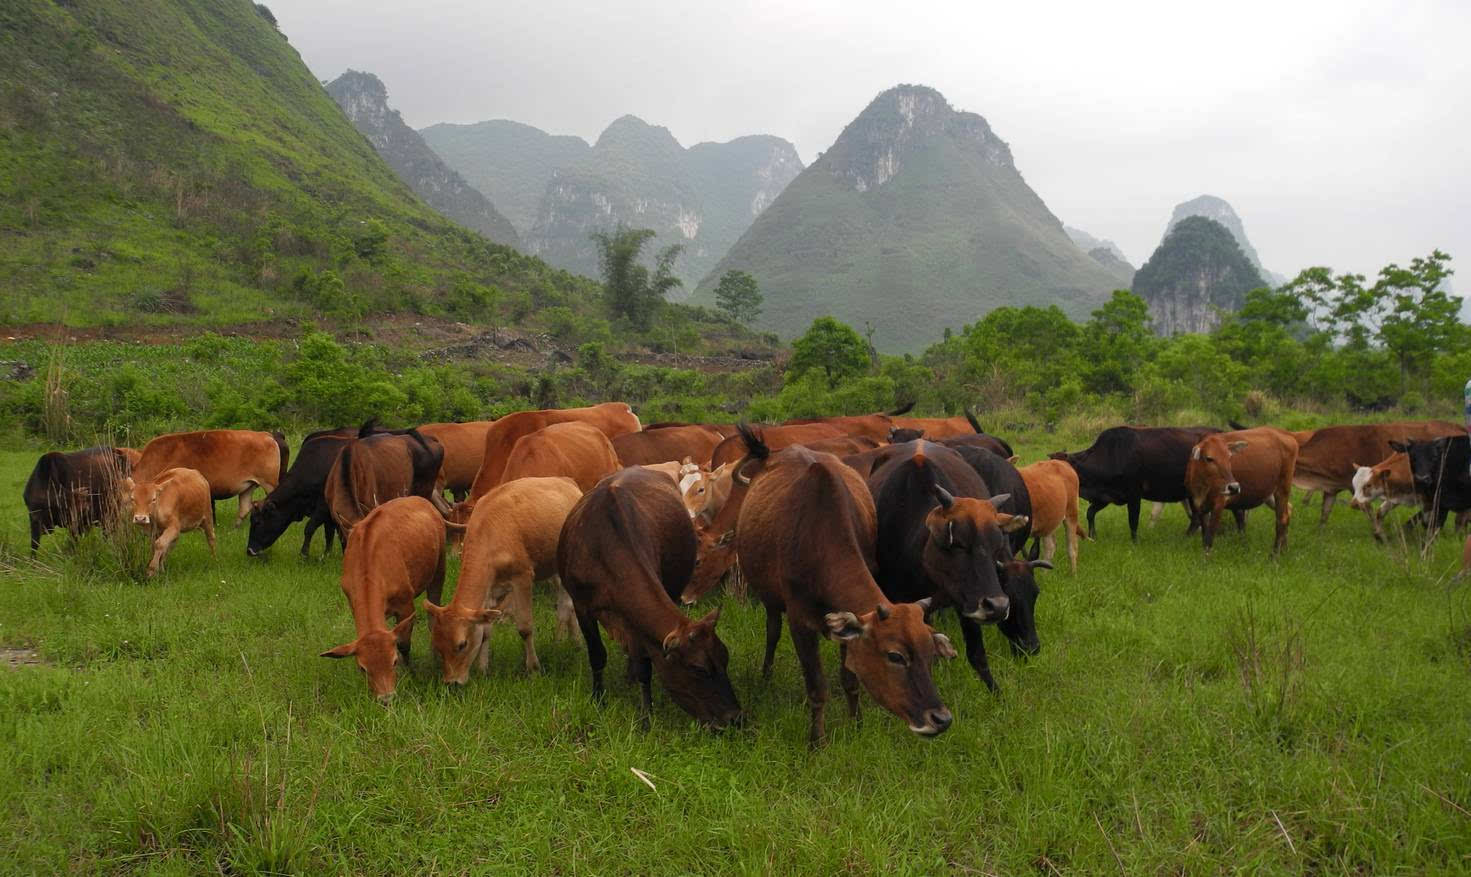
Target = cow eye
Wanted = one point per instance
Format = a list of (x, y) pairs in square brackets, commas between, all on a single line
[(898, 658)]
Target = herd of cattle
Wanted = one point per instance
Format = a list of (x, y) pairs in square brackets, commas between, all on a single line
[(857, 529)]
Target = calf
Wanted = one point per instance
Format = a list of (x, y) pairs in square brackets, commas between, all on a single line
[(1389, 481), (74, 490), (233, 461), (510, 543), (941, 536), (573, 450), (1242, 470), (396, 554), (626, 549), (1052, 486), (176, 501), (821, 578)]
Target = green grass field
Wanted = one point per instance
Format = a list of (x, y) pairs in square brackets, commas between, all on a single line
[(1187, 714)]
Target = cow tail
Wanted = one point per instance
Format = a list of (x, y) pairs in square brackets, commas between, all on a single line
[(902, 409), (344, 477), (970, 414), (285, 450), (369, 427)]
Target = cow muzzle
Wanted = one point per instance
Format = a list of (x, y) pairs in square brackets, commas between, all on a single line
[(1233, 488), (142, 519), (936, 722), (992, 609)]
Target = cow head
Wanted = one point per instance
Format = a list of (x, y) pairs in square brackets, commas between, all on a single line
[(456, 634), (966, 549), (693, 668), (142, 495), (899, 435), (1019, 581), (891, 651), (377, 657), (268, 520), (1208, 472), (706, 492), (1427, 461), (715, 555)]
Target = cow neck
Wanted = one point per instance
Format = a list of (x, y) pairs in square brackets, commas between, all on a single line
[(653, 626), (477, 573), (369, 604)]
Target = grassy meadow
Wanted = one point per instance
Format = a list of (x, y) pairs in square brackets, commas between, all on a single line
[(1187, 714)]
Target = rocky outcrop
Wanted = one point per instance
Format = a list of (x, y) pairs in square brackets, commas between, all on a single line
[(364, 98), (1196, 276), (1211, 207)]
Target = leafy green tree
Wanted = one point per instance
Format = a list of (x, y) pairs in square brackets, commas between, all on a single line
[(831, 346), (738, 297), (630, 289), (1116, 341), (1420, 318)]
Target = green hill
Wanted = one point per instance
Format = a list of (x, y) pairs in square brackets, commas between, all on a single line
[(174, 160), (1195, 275), (914, 220)]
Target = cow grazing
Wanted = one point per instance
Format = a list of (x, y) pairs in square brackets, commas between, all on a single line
[(1242, 470), (733, 448), (1391, 481), (574, 450), (510, 543), (464, 451), (174, 502), (942, 536), (666, 444), (397, 554), (715, 520), (611, 418), (234, 461), (1440, 470), (1052, 487), (75, 490), (805, 538), (1128, 464), (1325, 459), (300, 494), (377, 467), (625, 551), (696, 487)]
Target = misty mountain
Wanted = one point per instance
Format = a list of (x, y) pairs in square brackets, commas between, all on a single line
[(1219, 210), (638, 174), (914, 220), (364, 99), (1198, 273), (1105, 253)]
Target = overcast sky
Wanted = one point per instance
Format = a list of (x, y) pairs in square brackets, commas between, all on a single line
[(1339, 131)]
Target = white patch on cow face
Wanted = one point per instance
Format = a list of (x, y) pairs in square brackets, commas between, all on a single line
[(1362, 476)]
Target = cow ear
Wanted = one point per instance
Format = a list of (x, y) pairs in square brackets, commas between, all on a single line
[(433, 610), (999, 500), (1399, 446), (882, 612), (843, 626), (710, 619), (674, 639), (1012, 523), (1013, 459), (128, 483), (1236, 448), (404, 626), (943, 646), (726, 538), (486, 616), (1195, 453), (341, 651)]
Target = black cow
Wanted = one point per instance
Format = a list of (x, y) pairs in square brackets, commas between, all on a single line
[(1129, 464), (1442, 479), (73, 490), (942, 536), (299, 495)]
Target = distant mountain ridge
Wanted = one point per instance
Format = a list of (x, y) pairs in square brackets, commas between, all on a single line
[(914, 220), (1218, 209), (1105, 253), (637, 174), (1198, 274), (364, 98)]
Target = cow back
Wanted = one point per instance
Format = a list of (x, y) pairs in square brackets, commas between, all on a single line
[(229, 459)]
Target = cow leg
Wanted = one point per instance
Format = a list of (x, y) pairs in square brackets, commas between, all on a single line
[(1375, 516), (597, 656), (1240, 516), (643, 671), (805, 643), (460, 493), (1134, 519), (1093, 508), (1284, 517), (1073, 537), (1154, 513), (566, 614), (1466, 556), (1210, 520), (521, 612), (1049, 546), (161, 548), (1190, 515), (245, 504), (1329, 498), (773, 636), (209, 534), (849, 680), (975, 651), (36, 534)]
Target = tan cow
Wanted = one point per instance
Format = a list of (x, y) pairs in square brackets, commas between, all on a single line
[(1053, 487), (234, 461), (611, 419), (1242, 470), (1326, 457), (464, 451), (174, 502), (666, 444), (1391, 481), (679, 473), (510, 543), (575, 450), (396, 553)]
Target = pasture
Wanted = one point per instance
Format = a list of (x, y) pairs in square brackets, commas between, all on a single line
[(1187, 713)]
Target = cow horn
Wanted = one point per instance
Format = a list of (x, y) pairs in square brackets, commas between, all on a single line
[(882, 611), (737, 476), (944, 497), (998, 499), (1040, 564), (925, 603)]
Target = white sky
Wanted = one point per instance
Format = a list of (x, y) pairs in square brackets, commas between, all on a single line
[(1338, 130)]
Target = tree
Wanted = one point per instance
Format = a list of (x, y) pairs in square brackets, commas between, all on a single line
[(738, 297), (629, 289), (1116, 342), (831, 346)]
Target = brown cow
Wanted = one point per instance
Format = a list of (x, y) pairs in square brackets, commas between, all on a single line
[(662, 445), (1326, 457), (1391, 481), (132, 456), (843, 445), (174, 502), (396, 555), (1053, 487), (375, 468), (464, 450), (611, 418), (1242, 470), (574, 450), (510, 543), (74, 490), (625, 550), (822, 578), (776, 438), (234, 461)]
